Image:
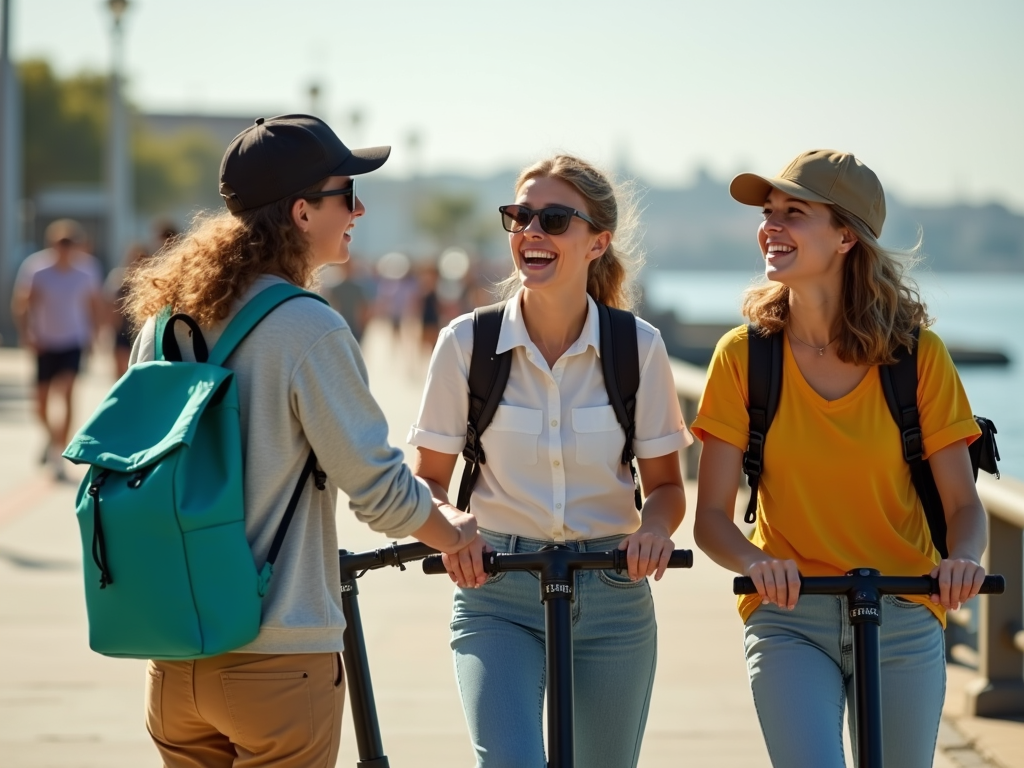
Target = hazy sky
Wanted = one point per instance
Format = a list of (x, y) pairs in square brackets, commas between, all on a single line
[(929, 93)]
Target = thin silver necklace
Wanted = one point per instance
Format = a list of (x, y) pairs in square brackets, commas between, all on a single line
[(821, 350)]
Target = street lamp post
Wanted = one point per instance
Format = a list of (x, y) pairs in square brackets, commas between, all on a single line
[(10, 170), (119, 178)]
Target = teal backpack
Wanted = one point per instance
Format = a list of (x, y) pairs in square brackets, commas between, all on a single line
[(168, 570)]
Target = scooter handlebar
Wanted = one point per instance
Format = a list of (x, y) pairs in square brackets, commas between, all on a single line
[(497, 562), (891, 585), (394, 555)]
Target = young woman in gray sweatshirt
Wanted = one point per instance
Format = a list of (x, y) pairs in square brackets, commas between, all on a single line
[(288, 183)]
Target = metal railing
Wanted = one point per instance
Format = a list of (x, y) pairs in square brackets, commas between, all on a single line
[(998, 690)]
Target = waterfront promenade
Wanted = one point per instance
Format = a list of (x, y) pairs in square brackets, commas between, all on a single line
[(62, 705)]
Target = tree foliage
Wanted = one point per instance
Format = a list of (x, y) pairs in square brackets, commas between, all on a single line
[(451, 218), (64, 132)]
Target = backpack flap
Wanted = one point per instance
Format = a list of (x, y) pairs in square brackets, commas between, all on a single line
[(166, 401)]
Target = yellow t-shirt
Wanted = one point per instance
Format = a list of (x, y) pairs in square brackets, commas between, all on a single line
[(835, 493)]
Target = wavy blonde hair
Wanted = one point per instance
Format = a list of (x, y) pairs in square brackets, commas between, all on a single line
[(611, 278), (205, 270), (880, 305)]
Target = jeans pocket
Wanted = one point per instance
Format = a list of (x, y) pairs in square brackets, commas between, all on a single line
[(269, 707), (620, 580), (902, 602), (155, 701)]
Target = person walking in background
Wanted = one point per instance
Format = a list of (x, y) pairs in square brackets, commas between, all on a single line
[(115, 293), (554, 474), (347, 295), (61, 230), (57, 308), (835, 492), (289, 186), (430, 307)]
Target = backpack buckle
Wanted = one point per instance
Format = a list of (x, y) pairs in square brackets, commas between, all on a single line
[(473, 452), (913, 444), (754, 455)]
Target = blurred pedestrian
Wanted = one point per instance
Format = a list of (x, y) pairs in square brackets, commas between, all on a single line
[(115, 293), (430, 307), (348, 295), (57, 308), (61, 229)]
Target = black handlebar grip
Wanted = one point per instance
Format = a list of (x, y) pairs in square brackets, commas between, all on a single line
[(433, 565), (681, 558), (993, 585), (743, 585)]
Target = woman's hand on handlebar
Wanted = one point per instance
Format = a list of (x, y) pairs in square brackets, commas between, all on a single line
[(959, 580), (647, 553), (777, 581), (466, 567)]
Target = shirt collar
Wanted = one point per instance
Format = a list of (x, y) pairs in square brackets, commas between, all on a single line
[(514, 334)]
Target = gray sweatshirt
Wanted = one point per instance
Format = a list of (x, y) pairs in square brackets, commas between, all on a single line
[(302, 383)]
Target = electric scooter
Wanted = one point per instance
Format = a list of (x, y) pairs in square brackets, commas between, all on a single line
[(357, 667), (556, 566), (864, 588)]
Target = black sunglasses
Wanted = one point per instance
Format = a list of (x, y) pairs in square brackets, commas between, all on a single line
[(554, 219), (349, 192)]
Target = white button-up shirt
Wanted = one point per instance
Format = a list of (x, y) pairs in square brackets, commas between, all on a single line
[(553, 468)]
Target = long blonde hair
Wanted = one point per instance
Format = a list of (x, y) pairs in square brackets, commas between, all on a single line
[(880, 305), (611, 278), (204, 271)]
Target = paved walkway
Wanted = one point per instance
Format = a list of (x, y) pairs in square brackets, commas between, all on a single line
[(61, 705)]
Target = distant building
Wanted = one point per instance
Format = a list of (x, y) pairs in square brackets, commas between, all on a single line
[(223, 128)]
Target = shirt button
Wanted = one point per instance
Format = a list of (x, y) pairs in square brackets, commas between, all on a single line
[(558, 505), (556, 462), (554, 422)]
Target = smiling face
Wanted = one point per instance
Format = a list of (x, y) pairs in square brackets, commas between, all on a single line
[(800, 242), (328, 223), (557, 262)]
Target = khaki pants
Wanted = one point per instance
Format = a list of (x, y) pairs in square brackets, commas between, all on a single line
[(247, 709)]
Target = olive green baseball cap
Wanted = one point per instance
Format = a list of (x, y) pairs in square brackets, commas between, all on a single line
[(821, 176)]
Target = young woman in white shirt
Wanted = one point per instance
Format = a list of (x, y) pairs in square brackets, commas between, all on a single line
[(554, 475)]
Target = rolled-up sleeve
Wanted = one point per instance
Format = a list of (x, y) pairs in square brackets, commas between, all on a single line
[(441, 424), (659, 421)]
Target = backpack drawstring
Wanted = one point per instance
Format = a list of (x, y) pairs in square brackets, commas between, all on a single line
[(99, 543)]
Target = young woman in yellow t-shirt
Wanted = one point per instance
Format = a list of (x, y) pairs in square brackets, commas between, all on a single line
[(835, 492)]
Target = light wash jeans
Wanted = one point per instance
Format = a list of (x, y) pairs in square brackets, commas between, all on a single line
[(801, 673), (498, 642)]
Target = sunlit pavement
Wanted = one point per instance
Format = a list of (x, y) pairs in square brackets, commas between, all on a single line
[(62, 705)]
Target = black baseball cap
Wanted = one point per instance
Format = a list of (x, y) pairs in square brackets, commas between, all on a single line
[(279, 156)]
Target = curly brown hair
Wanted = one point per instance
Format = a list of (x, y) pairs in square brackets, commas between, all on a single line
[(881, 305), (610, 278), (205, 270)]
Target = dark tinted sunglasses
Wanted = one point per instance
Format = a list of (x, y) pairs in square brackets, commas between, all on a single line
[(349, 192), (554, 219)]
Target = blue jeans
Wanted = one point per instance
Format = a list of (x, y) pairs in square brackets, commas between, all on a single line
[(498, 642), (801, 673)]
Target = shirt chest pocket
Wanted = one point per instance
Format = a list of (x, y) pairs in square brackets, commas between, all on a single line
[(599, 438), (513, 435)]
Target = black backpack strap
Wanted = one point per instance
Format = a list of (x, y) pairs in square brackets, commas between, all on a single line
[(899, 383), (320, 480), (488, 375), (764, 384), (620, 363), (169, 349)]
